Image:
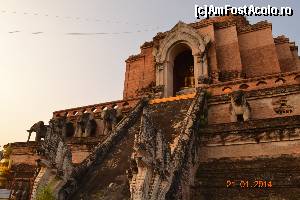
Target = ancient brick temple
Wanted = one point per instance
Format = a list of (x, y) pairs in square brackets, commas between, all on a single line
[(211, 111)]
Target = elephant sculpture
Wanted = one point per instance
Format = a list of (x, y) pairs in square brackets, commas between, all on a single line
[(110, 117), (40, 129), (239, 107), (63, 126), (86, 125)]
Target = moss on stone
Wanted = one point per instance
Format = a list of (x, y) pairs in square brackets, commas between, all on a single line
[(45, 193)]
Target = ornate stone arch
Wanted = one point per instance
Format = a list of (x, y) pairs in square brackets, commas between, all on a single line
[(180, 34)]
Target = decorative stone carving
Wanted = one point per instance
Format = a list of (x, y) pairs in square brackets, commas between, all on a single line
[(110, 117), (40, 129), (20, 191), (63, 126), (63, 160), (154, 169), (149, 161), (86, 125), (101, 151), (183, 33), (204, 79), (56, 151), (159, 66), (214, 75), (239, 107), (281, 106)]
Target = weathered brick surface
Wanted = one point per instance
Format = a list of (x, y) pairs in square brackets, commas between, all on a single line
[(261, 108), (140, 73), (246, 151), (79, 155), (237, 48), (212, 55), (228, 53), (212, 177), (286, 58), (258, 53), (23, 152)]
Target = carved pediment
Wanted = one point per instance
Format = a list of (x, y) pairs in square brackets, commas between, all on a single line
[(180, 33)]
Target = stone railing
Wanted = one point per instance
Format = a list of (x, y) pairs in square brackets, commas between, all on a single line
[(183, 153), (101, 150), (157, 172), (125, 105)]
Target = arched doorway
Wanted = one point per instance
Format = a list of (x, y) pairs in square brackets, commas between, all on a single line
[(181, 41), (183, 72)]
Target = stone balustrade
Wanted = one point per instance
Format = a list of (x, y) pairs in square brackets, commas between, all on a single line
[(125, 105)]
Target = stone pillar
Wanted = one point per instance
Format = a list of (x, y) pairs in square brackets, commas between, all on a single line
[(168, 78), (203, 77), (204, 65), (159, 74), (211, 53), (197, 68)]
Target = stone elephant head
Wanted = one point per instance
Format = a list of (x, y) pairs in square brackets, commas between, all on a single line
[(110, 117), (85, 125), (63, 125), (239, 107), (40, 129)]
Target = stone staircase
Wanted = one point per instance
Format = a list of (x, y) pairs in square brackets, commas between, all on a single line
[(158, 186)]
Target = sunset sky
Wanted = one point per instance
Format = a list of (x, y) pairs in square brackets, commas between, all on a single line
[(44, 68)]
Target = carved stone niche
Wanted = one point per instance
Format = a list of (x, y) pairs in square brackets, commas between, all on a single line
[(282, 107)]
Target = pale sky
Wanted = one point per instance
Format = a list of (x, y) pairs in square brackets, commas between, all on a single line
[(48, 71)]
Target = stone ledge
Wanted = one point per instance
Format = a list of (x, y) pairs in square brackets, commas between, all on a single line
[(70, 112), (260, 93), (176, 98), (265, 77), (253, 125)]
